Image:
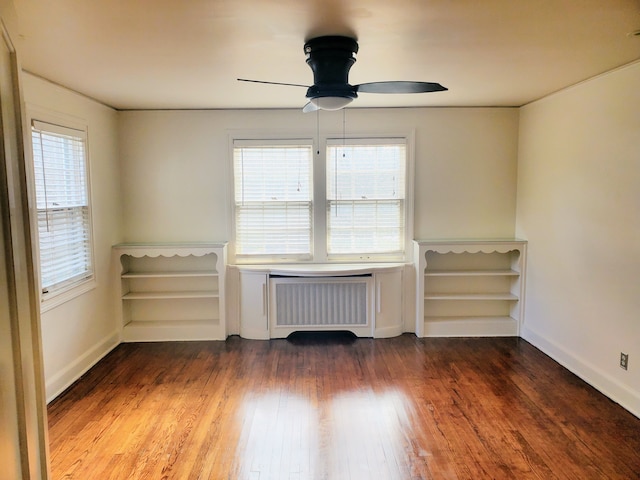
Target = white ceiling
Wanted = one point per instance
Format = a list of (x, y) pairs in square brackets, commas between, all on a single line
[(156, 54)]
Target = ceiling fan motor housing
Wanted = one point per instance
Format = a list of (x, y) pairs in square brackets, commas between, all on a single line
[(330, 59)]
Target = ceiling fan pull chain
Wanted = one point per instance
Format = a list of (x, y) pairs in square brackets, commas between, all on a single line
[(344, 129), (318, 131)]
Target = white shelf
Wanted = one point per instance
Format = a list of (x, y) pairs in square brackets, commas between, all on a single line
[(172, 292), (169, 295), (177, 274), (469, 287), (471, 296), (492, 318), (471, 273)]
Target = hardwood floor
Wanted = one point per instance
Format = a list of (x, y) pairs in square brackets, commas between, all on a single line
[(336, 408)]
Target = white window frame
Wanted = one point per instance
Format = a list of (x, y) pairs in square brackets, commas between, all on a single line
[(56, 123), (402, 197), (278, 257), (319, 200)]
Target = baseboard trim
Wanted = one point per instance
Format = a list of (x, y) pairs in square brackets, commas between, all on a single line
[(175, 331), (388, 332), (62, 380), (601, 381), (471, 327)]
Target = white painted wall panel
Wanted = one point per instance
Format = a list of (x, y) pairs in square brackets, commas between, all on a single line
[(579, 208), (79, 332), (176, 167)]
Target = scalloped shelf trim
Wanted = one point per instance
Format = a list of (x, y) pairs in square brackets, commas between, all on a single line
[(473, 249), (166, 253), (472, 246), (169, 250)]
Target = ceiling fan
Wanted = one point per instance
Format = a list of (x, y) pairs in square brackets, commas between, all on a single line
[(330, 59)]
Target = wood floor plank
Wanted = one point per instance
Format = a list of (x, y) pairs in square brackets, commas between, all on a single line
[(330, 407)]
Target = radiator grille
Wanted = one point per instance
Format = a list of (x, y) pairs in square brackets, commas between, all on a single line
[(307, 304)]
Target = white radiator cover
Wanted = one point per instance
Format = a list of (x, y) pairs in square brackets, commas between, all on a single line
[(326, 303)]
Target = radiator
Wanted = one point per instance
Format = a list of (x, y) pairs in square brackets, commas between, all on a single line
[(325, 302)]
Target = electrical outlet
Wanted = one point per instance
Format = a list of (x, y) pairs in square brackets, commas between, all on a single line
[(624, 360)]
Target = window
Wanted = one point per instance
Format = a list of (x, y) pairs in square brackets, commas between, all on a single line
[(347, 201), (273, 206), (366, 197), (62, 201)]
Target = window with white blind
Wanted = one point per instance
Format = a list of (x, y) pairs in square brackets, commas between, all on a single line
[(273, 199), (62, 200), (345, 201), (366, 192)]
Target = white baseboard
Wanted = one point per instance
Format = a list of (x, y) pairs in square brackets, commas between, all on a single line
[(176, 331), (388, 332), (601, 381), (471, 327), (59, 382)]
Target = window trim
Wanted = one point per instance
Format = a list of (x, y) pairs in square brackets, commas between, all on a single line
[(319, 201), (60, 122), (248, 141), (408, 183)]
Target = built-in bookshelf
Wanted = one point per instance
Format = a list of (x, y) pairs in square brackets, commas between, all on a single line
[(469, 287), (171, 291)]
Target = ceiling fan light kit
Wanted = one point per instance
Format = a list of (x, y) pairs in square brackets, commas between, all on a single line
[(330, 103), (330, 59)]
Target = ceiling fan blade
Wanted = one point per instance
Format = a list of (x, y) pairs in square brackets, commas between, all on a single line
[(399, 87), (273, 83), (310, 107)]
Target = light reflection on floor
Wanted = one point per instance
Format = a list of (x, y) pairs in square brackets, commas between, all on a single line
[(354, 435)]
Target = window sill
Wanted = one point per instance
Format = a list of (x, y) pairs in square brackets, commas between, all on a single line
[(321, 269), (56, 299)]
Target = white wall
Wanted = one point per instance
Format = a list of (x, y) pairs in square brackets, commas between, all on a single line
[(579, 207), (176, 164), (176, 172), (79, 332)]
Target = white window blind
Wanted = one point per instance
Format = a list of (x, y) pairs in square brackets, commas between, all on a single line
[(62, 200), (273, 198), (366, 189)]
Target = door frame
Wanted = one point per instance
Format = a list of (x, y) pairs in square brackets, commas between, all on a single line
[(23, 415)]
